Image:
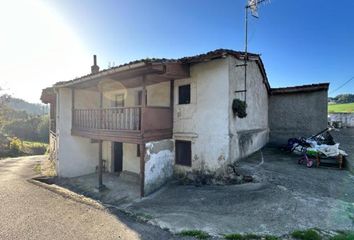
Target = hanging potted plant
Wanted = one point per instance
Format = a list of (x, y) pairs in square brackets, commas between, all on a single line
[(239, 108)]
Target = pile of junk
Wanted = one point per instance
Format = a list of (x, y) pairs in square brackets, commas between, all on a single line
[(319, 148)]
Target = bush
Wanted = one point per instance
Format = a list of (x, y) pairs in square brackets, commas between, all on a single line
[(34, 148), (195, 233), (15, 145), (306, 235)]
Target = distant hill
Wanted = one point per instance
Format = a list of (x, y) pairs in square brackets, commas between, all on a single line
[(30, 108)]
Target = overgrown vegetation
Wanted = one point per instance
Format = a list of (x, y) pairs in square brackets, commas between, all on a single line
[(195, 233), (344, 236), (21, 133), (309, 234)]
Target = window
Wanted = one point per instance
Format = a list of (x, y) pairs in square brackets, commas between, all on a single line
[(118, 100), (184, 153), (184, 94)]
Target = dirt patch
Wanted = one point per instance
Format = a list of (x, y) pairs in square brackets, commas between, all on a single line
[(231, 176)]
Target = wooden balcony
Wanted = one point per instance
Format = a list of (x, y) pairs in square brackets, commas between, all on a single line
[(123, 124)]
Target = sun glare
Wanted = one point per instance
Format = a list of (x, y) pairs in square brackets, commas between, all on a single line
[(37, 49)]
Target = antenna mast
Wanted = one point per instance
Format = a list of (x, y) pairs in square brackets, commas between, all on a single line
[(253, 5)]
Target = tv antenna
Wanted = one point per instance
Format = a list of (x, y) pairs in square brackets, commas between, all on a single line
[(252, 6)]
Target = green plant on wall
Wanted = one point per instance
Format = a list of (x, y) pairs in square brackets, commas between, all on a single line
[(239, 108)]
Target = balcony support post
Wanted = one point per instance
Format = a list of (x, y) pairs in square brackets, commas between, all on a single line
[(100, 186), (101, 112), (142, 144), (142, 169), (172, 97), (72, 107)]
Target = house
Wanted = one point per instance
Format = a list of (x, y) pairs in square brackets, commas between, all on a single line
[(157, 117)]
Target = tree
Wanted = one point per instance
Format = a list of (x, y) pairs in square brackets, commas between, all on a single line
[(344, 98)]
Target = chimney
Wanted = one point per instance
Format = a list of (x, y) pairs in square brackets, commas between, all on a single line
[(94, 67)]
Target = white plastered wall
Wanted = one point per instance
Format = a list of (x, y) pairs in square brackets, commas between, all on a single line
[(251, 133), (205, 120), (76, 155)]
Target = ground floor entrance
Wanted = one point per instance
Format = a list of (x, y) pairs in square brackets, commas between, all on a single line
[(117, 156)]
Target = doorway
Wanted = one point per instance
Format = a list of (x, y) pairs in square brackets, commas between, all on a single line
[(117, 151)]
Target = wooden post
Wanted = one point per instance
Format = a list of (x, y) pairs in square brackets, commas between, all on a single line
[(72, 107), (142, 144), (100, 163), (101, 112), (172, 98), (100, 160), (143, 105), (142, 169)]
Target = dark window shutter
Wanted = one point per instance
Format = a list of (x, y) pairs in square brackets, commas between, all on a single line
[(184, 153), (184, 94)]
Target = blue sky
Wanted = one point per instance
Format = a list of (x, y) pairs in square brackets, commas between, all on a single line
[(300, 41)]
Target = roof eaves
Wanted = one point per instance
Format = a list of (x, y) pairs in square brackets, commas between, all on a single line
[(301, 89)]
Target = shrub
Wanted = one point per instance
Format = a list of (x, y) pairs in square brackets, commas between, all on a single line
[(195, 233), (15, 145), (306, 235)]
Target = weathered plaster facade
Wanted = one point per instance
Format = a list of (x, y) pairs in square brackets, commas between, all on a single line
[(159, 159), (204, 121), (76, 156), (251, 133), (218, 138)]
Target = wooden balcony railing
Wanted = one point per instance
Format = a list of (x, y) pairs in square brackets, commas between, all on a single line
[(120, 118), (123, 124)]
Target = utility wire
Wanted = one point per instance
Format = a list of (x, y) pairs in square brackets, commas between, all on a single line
[(335, 90)]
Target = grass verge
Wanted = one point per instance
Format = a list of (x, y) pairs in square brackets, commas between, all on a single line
[(195, 233), (341, 108), (344, 236), (37, 168), (236, 236), (309, 234)]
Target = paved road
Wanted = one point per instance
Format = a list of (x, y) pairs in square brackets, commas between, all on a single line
[(31, 212)]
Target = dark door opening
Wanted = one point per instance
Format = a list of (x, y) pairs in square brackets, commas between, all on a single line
[(118, 156)]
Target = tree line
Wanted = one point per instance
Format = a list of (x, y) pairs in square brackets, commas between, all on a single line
[(342, 98)]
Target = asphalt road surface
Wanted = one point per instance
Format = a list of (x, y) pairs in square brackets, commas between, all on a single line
[(28, 211)]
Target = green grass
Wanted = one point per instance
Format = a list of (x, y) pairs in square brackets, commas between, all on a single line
[(306, 235), (344, 236), (195, 233), (37, 168), (341, 108), (34, 148), (236, 236)]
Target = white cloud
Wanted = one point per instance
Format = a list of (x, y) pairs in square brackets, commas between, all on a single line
[(37, 49)]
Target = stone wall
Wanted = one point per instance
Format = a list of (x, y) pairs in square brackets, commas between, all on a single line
[(299, 114), (347, 119)]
